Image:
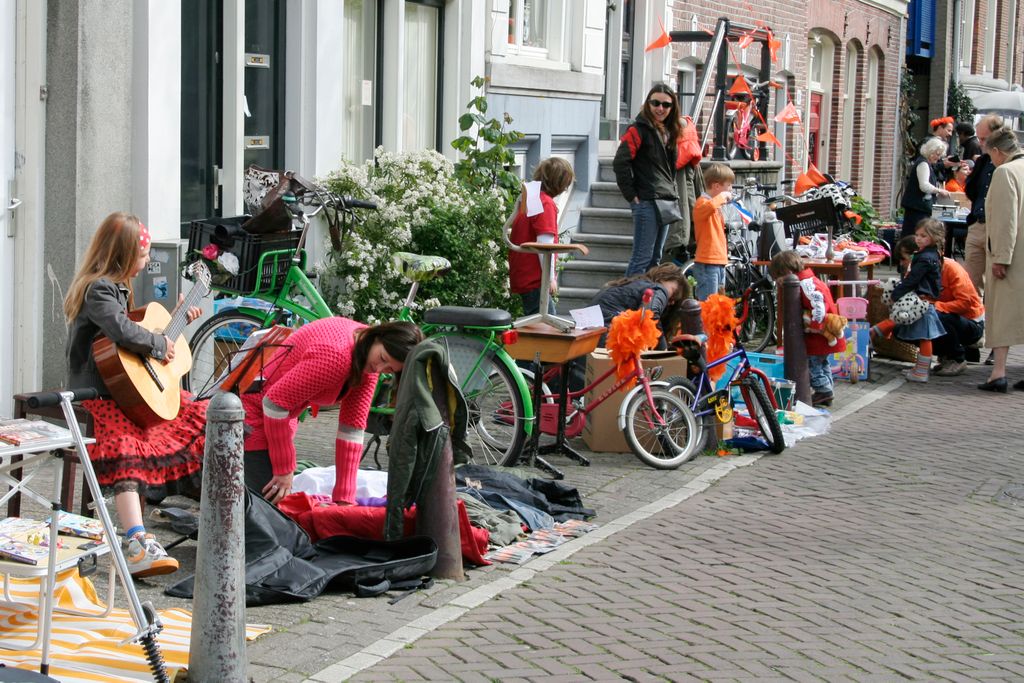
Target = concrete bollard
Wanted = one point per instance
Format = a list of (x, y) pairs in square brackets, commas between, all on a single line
[(795, 353), (217, 647)]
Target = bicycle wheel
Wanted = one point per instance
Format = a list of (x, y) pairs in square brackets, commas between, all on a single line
[(496, 407), (684, 389), (761, 410), (664, 443), (212, 347)]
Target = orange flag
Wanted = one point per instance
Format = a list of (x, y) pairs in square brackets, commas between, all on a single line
[(789, 114), (769, 137), (745, 40), (810, 178), (740, 85), (661, 41), (773, 47), (855, 217)]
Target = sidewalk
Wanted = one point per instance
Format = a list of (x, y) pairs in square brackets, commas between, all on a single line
[(311, 638)]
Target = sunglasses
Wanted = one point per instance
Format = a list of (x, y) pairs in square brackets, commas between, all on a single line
[(665, 104)]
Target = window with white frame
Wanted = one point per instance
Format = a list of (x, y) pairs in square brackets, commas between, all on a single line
[(419, 105), (527, 27), (967, 20), (822, 55), (870, 107), (849, 111), (990, 37), (358, 90)]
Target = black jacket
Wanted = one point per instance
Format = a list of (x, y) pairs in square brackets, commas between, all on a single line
[(977, 188), (105, 311), (913, 196), (644, 167), (615, 300), (925, 276)]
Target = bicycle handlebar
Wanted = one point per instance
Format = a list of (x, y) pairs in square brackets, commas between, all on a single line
[(44, 399)]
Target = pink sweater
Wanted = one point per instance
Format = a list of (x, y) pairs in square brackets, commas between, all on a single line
[(312, 372)]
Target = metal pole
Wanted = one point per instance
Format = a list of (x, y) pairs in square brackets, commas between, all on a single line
[(692, 323), (795, 353), (851, 273), (217, 648)]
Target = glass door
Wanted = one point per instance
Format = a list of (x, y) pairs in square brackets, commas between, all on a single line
[(422, 69)]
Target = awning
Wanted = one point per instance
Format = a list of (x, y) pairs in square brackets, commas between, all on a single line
[(1002, 101)]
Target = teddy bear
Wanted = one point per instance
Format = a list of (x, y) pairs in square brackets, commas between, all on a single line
[(832, 327)]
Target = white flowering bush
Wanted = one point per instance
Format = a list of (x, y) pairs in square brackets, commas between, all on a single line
[(422, 208)]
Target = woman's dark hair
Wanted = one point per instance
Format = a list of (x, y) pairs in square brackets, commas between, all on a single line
[(672, 122), (398, 339), (964, 128), (666, 272), (907, 245)]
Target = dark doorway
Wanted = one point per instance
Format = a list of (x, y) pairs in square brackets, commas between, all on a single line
[(626, 66)]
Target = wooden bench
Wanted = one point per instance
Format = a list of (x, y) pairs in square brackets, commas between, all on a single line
[(69, 457)]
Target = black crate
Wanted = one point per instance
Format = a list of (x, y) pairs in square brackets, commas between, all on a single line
[(807, 218), (253, 276)]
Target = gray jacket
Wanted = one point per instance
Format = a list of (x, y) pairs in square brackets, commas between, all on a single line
[(105, 311)]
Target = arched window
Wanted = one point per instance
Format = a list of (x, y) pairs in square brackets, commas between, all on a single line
[(850, 79), (871, 108), (818, 114)]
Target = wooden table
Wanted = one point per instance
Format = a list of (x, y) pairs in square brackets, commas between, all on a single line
[(542, 343)]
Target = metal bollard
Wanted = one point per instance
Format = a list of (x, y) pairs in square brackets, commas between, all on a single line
[(217, 647), (692, 323), (851, 273), (795, 353)]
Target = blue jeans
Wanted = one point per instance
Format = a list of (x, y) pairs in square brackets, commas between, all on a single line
[(710, 279), (648, 237), (821, 374)]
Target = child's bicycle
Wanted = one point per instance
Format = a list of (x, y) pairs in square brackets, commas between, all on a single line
[(708, 404), (659, 426), (500, 411)]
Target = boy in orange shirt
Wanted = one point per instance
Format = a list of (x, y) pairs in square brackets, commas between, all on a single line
[(709, 231)]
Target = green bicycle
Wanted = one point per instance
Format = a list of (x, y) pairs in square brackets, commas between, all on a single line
[(277, 291)]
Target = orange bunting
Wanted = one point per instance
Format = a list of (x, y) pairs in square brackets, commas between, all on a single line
[(769, 137), (740, 85), (853, 216), (745, 40), (789, 114), (773, 47), (718, 313), (630, 333), (812, 177), (661, 41)]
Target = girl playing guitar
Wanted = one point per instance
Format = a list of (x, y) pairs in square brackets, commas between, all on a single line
[(158, 461)]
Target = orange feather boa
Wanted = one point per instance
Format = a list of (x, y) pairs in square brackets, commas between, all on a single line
[(718, 313), (631, 332)]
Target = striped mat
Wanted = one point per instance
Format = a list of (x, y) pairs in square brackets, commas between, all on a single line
[(88, 648)]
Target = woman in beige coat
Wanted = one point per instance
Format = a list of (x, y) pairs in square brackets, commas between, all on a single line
[(1004, 295)]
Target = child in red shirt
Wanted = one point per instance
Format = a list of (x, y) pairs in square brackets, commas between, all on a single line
[(555, 175), (817, 301)]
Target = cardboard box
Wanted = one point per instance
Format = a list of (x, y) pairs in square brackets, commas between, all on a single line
[(601, 430)]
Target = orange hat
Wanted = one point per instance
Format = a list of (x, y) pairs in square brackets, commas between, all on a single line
[(935, 123)]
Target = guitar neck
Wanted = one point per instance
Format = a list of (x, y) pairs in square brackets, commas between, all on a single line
[(180, 317)]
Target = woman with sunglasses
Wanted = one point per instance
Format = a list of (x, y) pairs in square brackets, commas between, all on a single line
[(646, 163)]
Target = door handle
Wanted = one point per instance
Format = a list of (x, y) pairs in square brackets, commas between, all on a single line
[(14, 204)]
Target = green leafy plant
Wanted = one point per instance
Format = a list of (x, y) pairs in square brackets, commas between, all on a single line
[(487, 159), (867, 229), (958, 103)]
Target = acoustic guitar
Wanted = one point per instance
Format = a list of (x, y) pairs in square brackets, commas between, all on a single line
[(147, 390)]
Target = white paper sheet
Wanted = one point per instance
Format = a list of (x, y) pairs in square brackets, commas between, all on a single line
[(587, 318)]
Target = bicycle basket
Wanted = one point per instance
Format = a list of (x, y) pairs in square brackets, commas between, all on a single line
[(807, 218), (256, 272)]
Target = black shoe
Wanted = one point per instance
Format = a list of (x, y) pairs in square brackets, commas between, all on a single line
[(972, 355), (1019, 386), (991, 360), (996, 385), (822, 398)]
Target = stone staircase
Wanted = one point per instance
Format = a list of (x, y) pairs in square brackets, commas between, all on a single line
[(606, 227)]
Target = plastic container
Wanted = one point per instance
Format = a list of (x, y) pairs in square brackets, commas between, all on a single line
[(254, 274), (769, 364)]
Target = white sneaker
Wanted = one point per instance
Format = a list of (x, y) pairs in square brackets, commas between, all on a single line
[(146, 557)]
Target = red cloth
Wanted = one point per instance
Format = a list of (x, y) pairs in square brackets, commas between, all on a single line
[(164, 459), (310, 370), (324, 521), (816, 344), (524, 269)]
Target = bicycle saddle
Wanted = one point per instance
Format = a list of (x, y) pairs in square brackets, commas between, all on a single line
[(416, 268), (465, 316)]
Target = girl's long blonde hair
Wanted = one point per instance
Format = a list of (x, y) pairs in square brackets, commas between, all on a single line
[(111, 254)]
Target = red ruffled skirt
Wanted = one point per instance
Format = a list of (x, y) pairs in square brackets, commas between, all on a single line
[(163, 460)]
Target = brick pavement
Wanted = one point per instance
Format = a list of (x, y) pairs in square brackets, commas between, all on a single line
[(887, 549)]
